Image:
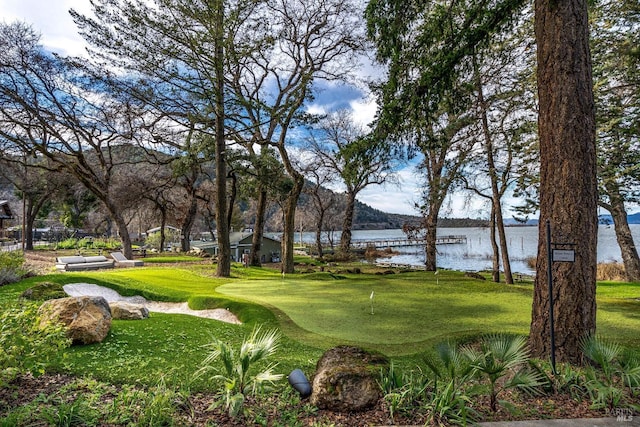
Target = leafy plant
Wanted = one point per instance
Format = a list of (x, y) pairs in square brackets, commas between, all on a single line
[(160, 405), (402, 389), (449, 401), (502, 357), (568, 380), (11, 267), (77, 412), (286, 403), (238, 374), (124, 407), (450, 405), (449, 363), (27, 346), (615, 376)]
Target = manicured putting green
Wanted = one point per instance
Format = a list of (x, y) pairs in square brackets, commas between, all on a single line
[(405, 310)]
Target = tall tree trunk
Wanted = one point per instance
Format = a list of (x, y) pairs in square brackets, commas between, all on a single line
[(224, 245), (431, 230), (123, 230), (347, 223), (568, 187), (28, 232), (320, 223), (504, 249), (258, 230), (623, 235), (497, 220), (495, 271), (319, 242), (290, 223), (187, 225), (232, 198), (31, 215), (163, 233)]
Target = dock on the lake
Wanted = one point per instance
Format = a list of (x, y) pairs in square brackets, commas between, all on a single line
[(397, 243)]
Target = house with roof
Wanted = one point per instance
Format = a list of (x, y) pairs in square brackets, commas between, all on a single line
[(241, 245), (5, 215)]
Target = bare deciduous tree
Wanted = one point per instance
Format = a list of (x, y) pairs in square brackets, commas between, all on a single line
[(51, 108)]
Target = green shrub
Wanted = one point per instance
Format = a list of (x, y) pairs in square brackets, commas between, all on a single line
[(27, 347), (106, 244), (69, 243), (11, 267), (85, 243), (89, 243)]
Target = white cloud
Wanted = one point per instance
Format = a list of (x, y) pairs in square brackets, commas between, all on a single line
[(392, 198), (316, 109), (364, 110), (50, 18)]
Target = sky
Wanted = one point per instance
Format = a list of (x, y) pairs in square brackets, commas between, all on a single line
[(59, 34)]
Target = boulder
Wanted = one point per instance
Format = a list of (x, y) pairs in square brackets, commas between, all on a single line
[(122, 310), (44, 291), (88, 319), (346, 379)]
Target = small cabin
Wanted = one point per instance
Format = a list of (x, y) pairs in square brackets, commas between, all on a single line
[(241, 245)]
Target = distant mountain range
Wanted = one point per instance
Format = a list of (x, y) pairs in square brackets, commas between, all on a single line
[(368, 218), (603, 219), (632, 219)]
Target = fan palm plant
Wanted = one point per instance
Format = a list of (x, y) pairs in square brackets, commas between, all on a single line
[(239, 374), (502, 357), (617, 374)]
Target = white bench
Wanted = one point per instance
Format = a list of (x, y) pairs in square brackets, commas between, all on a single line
[(78, 263), (122, 261)]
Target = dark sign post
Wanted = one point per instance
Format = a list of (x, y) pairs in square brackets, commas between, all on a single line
[(556, 252)]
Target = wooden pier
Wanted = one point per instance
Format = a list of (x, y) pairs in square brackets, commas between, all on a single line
[(397, 243)]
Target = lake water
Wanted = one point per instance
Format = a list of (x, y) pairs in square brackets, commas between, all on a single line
[(475, 254)]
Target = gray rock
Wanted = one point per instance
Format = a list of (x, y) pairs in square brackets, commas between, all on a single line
[(346, 379), (122, 310), (88, 319)]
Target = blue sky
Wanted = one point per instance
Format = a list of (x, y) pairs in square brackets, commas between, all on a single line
[(59, 34)]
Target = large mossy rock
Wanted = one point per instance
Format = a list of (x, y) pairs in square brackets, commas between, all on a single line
[(346, 379), (44, 291), (88, 319)]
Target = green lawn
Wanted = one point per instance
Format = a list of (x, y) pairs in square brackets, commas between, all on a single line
[(411, 313)]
